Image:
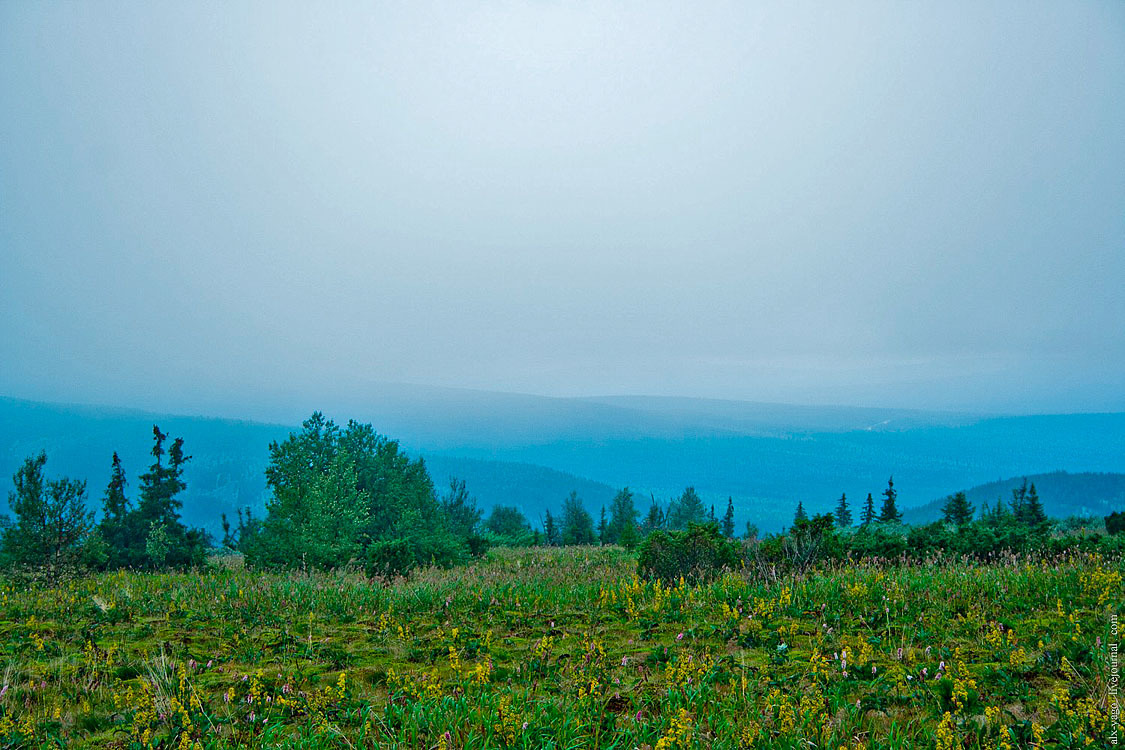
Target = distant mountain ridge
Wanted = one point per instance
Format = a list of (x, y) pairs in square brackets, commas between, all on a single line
[(1063, 494), (229, 457), (532, 451)]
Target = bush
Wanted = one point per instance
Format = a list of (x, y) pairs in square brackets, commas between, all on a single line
[(699, 553), (390, 557), (1115, 523)]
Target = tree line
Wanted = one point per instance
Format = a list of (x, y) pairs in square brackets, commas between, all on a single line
[(54, 531), (348, 496)]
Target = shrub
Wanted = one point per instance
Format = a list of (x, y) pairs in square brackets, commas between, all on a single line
[(1115, 523), (699, 553), (390, 557)]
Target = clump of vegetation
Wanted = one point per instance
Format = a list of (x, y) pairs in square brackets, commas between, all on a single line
[(699, 553), (352, 497), (55, 534)]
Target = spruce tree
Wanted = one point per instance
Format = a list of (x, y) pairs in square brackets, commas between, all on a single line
[(158, 511), (889, 512), (800, 516), (1033, 511), (843, 512), (115, 503), (655, 519), (1001, 513), (728, 520), (577, 526), (957, 509), (686, 510), (628, 537), (1019, 499), (551, 530), (868, 511), (603, 524), (622, 518), (118, 531)]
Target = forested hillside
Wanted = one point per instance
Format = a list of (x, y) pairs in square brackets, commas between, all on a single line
[(528, 455), (1063, 494)]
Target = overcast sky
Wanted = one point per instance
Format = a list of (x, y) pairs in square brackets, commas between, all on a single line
[(901, 204)]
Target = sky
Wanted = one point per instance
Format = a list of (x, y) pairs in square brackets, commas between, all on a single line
[(214, 206)]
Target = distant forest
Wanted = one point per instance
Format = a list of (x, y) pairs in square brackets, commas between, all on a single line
[(764, 458), (348, 497)]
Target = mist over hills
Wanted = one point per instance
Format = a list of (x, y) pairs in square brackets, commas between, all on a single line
[(531, 451)]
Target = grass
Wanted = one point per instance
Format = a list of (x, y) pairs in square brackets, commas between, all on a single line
[(565, 649)]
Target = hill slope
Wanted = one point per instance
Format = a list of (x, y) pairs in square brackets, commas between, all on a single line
[(229, 458), (530, 451), (1063, 494)]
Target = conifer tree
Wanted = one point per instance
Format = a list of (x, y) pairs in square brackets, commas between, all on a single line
[(1019, 499), (800, 515), (603, 524), (550, 530), (52, 522), (889, 512), (158, 511), (622, 518), (957, 509), (868, 511), (686, 510), (843, 512), (628, 536), (728, 520), (1033, 511), (655, 519), (117, 527), (577, 526), (115, 503)]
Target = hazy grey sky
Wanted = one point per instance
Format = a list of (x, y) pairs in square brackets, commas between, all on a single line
[(909, 204)]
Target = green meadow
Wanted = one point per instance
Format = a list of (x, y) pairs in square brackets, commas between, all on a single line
[(566, 648)]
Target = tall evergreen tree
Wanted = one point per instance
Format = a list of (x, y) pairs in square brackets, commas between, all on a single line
[(957, 509), (868, 511), (577, 525), (655, 520), (118, 526), (622, 518), (889, 512), (1033, 512), (728, 520), (159, 509), (115, 503), (460, 508), (551, 530), (800, 515), (1001, 513), (163, 482), (603, 525), (686, 510), (1019, 499), (843, 512)]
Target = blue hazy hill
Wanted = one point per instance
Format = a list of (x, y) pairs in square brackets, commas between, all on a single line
[(531, 451)]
